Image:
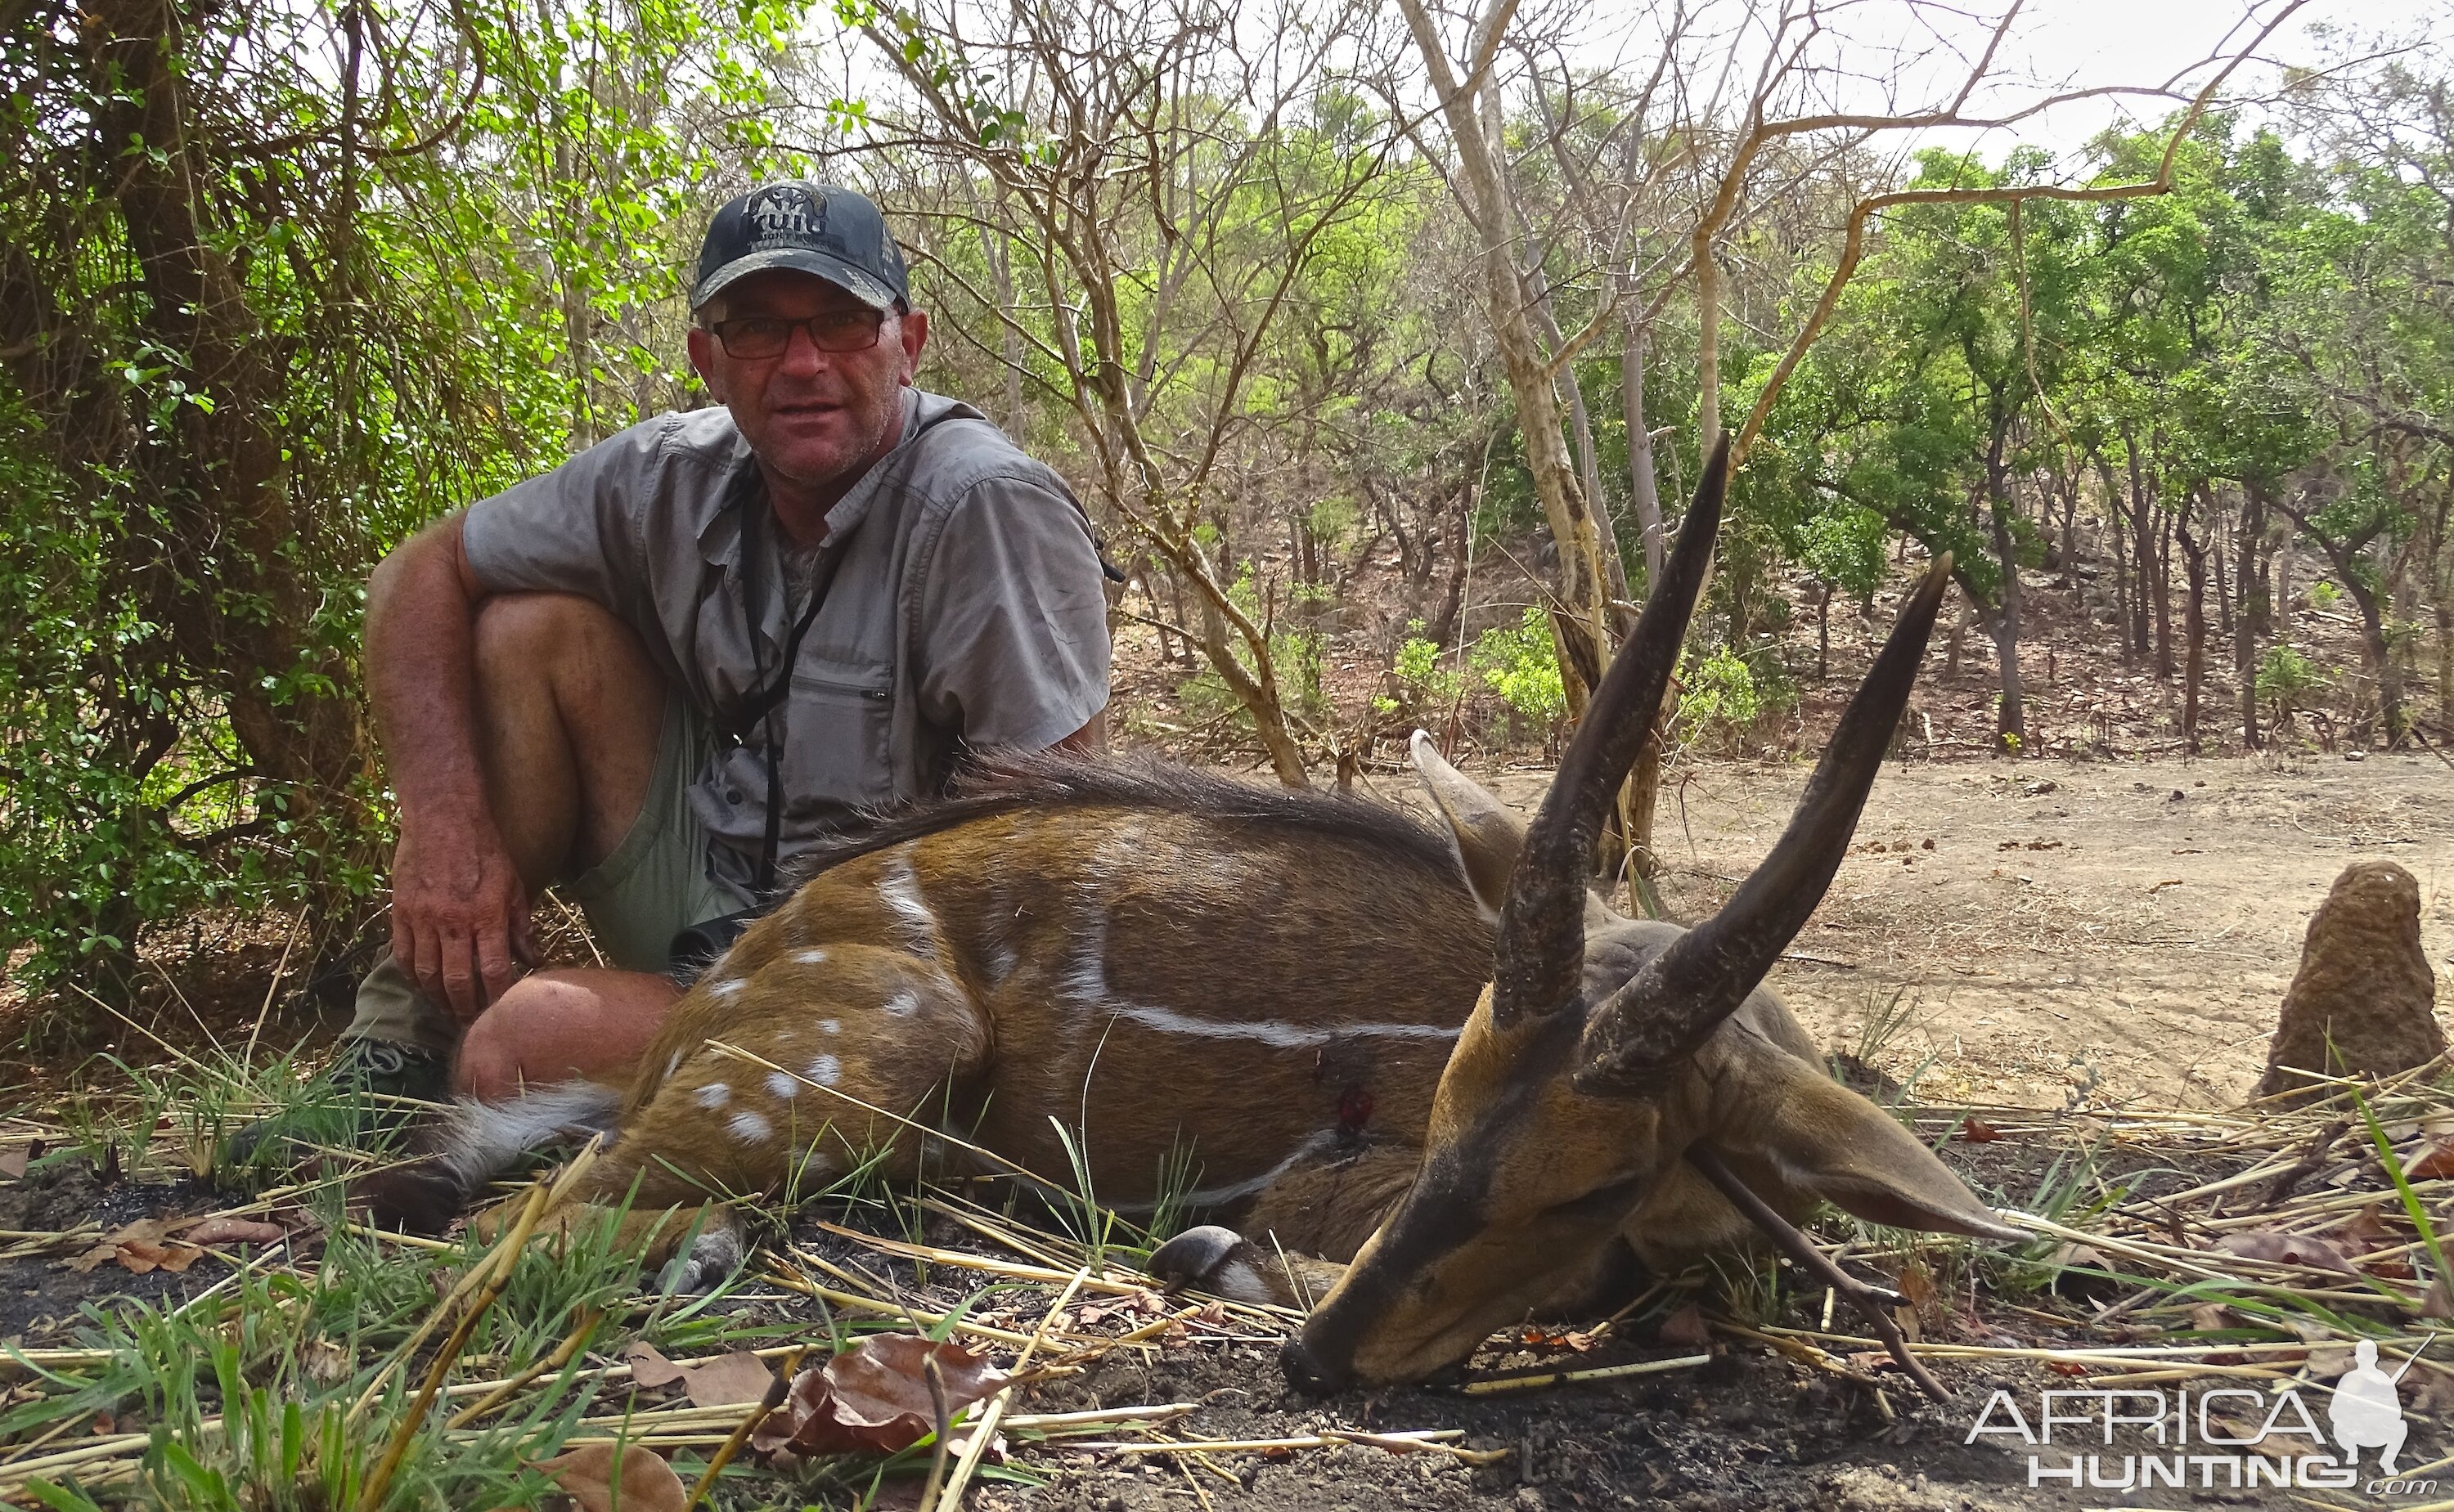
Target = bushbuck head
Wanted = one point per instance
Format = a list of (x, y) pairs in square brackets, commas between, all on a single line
[(1605, 1047)]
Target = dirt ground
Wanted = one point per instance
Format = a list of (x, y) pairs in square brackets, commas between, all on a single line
[(2081, 933)]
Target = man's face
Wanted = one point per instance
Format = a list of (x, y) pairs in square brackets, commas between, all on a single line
[(814, 418)]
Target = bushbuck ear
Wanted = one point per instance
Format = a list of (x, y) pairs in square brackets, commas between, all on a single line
[(1487, 834), (1822, 1139)]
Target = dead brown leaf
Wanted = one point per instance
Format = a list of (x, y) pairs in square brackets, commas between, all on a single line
[(721, 1382), (2435, 1162), (1975, 1131), (727, 1380), (2286, 1250), (1684, 1329), (140, 1247), (874, 1397), (648, 1366), (639, 1479), (14, 1159), (235, 1231)]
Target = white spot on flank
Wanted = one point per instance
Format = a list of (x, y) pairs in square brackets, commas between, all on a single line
[(826, 1070), (715, 1094), (749, 1127), (783, 1086), (809, 958), (673, 1066), (903, 1004), (831, 1026), (730, 987)]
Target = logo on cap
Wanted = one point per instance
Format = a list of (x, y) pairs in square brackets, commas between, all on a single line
[(787, 212)]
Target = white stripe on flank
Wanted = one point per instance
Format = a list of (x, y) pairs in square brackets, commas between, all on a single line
[(810, 958), (900, 892), (728, 989), (715, 1094), (1286, 1036)]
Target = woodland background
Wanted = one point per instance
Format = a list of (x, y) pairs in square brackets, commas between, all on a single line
[(1383, 342)]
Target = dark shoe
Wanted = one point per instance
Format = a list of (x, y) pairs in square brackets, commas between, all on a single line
[(363, 1101)]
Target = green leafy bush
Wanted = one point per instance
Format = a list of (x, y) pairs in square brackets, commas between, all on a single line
[(1423, 685), (2287, 678), (1722, 702), (1522, 665)]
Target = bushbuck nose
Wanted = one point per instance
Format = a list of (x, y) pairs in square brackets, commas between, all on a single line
[(1305, 1373)]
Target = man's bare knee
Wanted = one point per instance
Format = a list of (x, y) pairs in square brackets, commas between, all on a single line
[(499, 1054), (530, 634), (556, 1025)]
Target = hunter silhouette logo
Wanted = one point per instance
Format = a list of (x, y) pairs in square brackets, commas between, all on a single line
[(787, 212), (2367, 1409), (2219, 1438)]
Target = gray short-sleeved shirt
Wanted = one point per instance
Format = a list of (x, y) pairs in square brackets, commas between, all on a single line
[(967, 608)]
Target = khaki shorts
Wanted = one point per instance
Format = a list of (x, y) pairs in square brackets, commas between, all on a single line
[(655, 886)]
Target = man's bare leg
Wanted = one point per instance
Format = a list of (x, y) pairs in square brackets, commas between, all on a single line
[(569, 712)]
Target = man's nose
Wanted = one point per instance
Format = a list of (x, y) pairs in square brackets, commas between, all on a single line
[(801, 353)]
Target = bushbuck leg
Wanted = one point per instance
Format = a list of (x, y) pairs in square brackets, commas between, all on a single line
[(829, 1080)]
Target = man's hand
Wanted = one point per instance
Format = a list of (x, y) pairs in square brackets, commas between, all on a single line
[(459, 914)]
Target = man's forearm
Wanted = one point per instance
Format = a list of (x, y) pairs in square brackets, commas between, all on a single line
[(421, 675)]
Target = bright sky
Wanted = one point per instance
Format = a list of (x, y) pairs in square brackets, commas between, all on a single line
[(2089, 41), (2055, 45)]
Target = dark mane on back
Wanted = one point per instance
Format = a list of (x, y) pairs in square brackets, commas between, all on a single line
[(1055, 780)]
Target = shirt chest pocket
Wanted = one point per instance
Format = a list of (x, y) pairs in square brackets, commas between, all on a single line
[(838, 727)]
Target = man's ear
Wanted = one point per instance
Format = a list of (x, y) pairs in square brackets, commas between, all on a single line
[(1486, 833), (1819, 1139), (700, 341)]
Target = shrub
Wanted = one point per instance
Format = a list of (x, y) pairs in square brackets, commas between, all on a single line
[(2286, 678), (1721, 701), (1425, 682), (1522, 665)]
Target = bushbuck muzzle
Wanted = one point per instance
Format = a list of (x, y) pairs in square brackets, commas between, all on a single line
[(1335, 1023)]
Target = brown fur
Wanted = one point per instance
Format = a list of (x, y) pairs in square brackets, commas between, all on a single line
[(2364, 1001), (1147, 974)]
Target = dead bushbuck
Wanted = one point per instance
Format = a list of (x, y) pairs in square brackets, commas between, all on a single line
[(1430, 1050)]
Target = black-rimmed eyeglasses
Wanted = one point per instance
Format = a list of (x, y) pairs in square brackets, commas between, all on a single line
[(755, 338)]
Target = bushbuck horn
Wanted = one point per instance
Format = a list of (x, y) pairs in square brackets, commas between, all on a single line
[(1539, 954), (1665, 1011)]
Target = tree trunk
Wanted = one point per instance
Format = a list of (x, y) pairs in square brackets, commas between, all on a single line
[(2114, 516), (2011, 721), (2164, 586), (1643, 486), (1482, 193), (2250, 617), (2194, 553)]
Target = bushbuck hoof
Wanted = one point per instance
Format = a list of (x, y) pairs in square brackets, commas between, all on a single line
[(712, 1256), (1222, 1262), (421, 1197)]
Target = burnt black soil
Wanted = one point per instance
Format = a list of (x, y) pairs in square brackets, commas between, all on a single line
[(38, 1293), (1750, 1430)]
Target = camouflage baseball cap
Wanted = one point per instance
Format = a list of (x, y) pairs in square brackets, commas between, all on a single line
[(836, 233)]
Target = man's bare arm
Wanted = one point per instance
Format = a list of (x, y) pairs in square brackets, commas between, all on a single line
[(1090, 740), (461, 913)]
